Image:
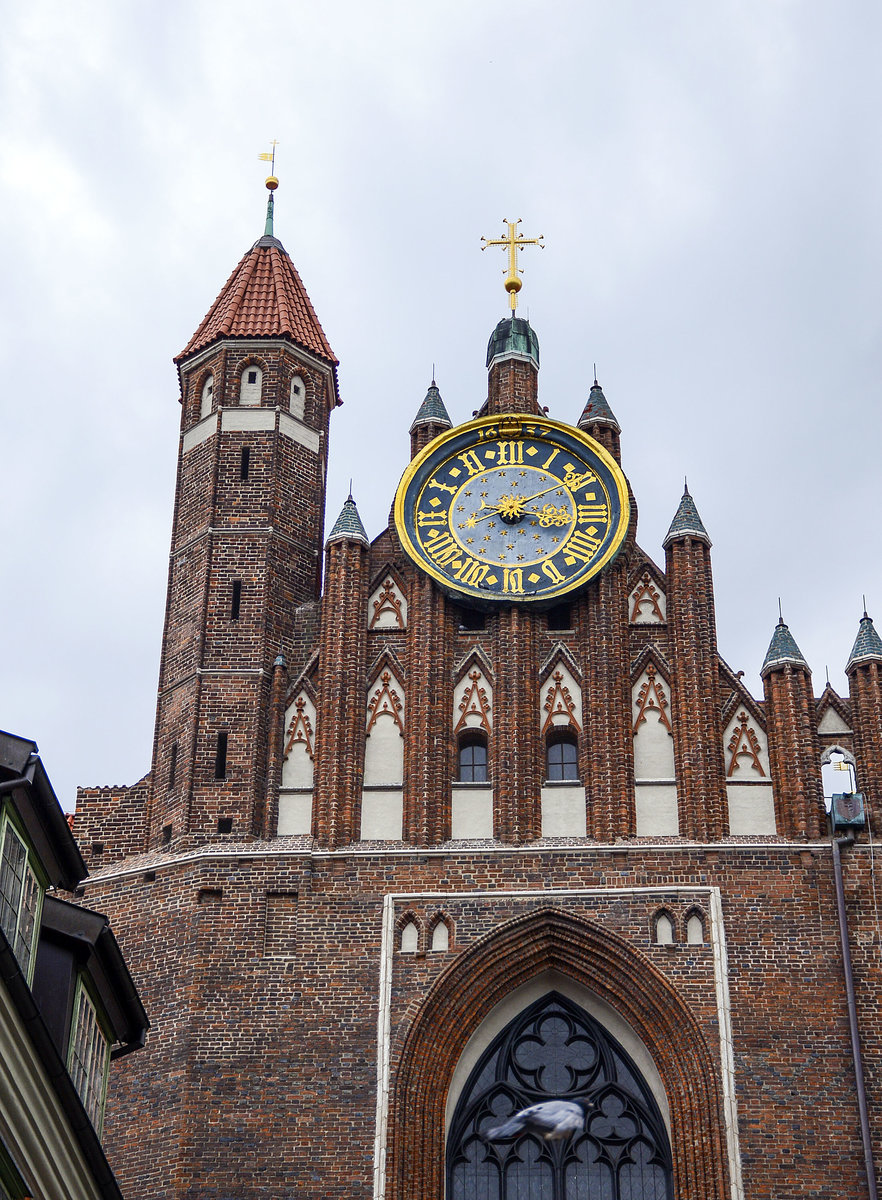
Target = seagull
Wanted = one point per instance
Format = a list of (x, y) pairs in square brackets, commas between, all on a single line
[(553, 1119)]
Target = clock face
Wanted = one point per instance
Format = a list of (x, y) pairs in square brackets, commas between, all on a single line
[(512, 508)]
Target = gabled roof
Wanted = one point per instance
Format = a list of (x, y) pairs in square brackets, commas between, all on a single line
[(686, 522), (264, 297), (867, 645), (782, 651)]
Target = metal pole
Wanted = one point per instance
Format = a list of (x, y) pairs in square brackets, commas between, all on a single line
[(852, 1017)]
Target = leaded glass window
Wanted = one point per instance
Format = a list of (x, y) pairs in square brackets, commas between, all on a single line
[(20, 896), (89, 1058), (555, 1050)]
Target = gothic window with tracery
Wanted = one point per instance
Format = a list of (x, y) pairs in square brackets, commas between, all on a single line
[(556, 1050)]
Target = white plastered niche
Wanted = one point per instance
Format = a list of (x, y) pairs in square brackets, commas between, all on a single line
[(748, 775), (295, 796), (654, 773)]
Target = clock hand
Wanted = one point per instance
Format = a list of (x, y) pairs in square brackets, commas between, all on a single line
[(516, 506)]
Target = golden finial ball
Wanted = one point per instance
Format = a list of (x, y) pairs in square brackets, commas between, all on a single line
[(513, 284), (272, 183)]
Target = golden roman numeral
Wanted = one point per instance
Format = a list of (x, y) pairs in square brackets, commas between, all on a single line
[(471, 462), (432, 518), (513, 580), (549, 569), (511, 454), (472, 572), (550, 459), (442, 549), (442, 487), (592, 512), (581, 547)]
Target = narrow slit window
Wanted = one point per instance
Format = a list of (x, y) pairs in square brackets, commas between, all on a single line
[(236, 600), (220, 756), (245, 462)]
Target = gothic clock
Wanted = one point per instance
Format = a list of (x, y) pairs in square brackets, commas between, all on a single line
[(512, 508)]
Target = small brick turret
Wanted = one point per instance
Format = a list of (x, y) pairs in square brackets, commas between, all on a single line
[(794, 750), (513, 368), (864, 672), (342, 683), (431, 420), (599, 421), (697, 726)]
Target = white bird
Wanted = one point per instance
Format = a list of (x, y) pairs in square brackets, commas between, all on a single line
[(553, 1119)]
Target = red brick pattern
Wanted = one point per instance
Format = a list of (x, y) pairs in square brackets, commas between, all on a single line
[(695, 699), (794, 752), (865, 688)]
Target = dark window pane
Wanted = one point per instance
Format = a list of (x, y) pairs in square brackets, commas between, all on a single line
[(563, 760), (473, 763)]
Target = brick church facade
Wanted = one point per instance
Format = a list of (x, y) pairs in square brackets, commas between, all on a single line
[(403, 863)]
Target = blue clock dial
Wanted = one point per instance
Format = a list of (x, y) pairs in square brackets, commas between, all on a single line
[(512, 509)]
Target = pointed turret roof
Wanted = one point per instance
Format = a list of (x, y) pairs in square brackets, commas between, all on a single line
[(597, 410), (432, 410), (348, 525), (686, 522), (867, 644), (782, 651), (264, 297)]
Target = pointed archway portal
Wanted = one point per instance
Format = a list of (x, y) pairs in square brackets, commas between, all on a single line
[(593, 957), (556, 1050)]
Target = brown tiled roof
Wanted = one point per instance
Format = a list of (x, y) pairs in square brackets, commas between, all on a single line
[(264, 297)]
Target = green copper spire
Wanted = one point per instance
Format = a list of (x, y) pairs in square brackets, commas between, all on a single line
[(268, 232)]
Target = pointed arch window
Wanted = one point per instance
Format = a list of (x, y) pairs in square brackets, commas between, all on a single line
[(556, 1050)]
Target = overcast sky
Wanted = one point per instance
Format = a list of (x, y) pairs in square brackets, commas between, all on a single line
[(707, 177)]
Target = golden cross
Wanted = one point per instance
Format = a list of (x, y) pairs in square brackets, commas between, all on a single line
[(514, 242)]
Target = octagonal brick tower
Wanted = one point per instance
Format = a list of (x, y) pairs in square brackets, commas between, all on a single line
[(258, 382)]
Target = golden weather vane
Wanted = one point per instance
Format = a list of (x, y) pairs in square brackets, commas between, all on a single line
[(515, 242), (272, 183)]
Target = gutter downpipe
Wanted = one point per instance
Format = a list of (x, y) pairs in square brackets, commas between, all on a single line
[(852, 1016)]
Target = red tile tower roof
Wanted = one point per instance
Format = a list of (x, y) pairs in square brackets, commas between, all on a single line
[(264, 297)]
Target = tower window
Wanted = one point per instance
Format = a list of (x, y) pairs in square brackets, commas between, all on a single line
[(472, 763), (298, 397), (207, 397), (562, 759), (245, 462), (220, 756), (236, 601), (225, 824), (560, 617), (166, 835), (250, 386), (471, 618)]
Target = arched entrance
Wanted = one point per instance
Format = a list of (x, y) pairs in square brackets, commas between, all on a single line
[(605, 964)]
